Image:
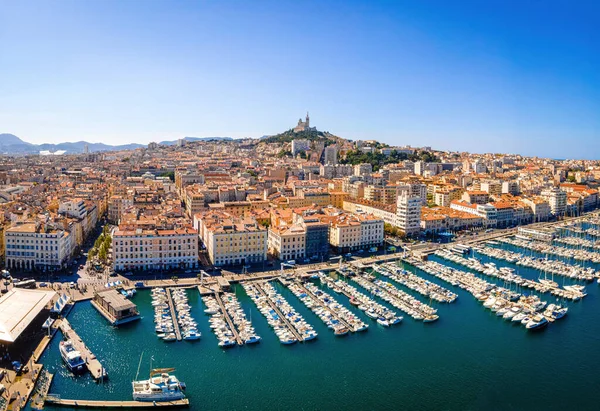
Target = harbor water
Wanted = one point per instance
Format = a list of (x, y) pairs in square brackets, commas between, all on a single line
[(468, 359)]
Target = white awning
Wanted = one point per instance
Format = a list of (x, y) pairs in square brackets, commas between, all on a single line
[(18, 308)]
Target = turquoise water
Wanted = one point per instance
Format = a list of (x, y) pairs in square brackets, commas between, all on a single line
[(469, 359)]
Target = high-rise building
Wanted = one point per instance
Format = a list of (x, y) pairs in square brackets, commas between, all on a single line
[(330, 155), (557, 199), (300, 145), (408, 210)]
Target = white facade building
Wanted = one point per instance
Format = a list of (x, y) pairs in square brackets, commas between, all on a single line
[(557, 199), (408, 211), (31, 246), (155, 249)]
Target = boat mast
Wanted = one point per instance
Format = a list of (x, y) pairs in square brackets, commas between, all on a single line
[(139, 364)]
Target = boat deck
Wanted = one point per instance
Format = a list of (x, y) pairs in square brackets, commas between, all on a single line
[(93, 365)]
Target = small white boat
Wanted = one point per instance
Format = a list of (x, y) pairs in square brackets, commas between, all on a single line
[(383, 322), (191, 335), (253, 339)]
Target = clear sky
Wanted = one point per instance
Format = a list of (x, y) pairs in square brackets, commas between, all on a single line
[(503, 76)]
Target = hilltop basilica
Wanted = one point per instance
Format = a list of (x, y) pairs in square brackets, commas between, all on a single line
[(304, 125)]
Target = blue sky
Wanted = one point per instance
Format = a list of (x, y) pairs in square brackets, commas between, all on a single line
[(482, 76)]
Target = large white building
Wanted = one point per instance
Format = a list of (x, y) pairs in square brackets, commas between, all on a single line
[(73, 208), (288, 242), (36, 246), (349, 232), (557, 199), (155, 249), (408, 210), (231, 240)]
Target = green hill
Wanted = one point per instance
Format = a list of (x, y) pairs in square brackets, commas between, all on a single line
[(289, 135)]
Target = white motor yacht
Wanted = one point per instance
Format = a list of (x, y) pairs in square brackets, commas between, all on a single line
[(160, 387)]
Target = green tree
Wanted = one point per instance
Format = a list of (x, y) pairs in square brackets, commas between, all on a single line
[(170, 174), (102, 254), (390, 230), (284, 153)]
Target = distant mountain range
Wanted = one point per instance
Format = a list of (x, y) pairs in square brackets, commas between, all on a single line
[(11, 144)]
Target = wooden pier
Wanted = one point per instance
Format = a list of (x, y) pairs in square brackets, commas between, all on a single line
[(329, 281), (280, 314), (42, 386), (228, 319), (93, 365), (318, 301), (56, 400), (395, 300), (173, 315)]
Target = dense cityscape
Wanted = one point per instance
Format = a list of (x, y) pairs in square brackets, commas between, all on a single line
[(302, 195), (289, 209), (232, 203)]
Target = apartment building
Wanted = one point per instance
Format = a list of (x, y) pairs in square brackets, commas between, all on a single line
[(557, 199), (330, 155), (195, 200), (232, 240), (300, 145), (487, 211), (348, 232), (117, 204), (158, 249), (408, 211), (317, 233), (384, 195), (37, 246), (539, 207), (493, 188), (287, 242), (510, 187), (184, 178)]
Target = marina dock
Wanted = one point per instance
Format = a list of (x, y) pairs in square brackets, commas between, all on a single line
[(279, 313), (176, 328), (228, 319), (94, 366), (317, 300), (398, 298), (56, 400)]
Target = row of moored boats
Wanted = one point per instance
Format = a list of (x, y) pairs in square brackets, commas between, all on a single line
[(372, 309), (397, 298), (289, 326), (545, 248), (416, 283), (333, 314)]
